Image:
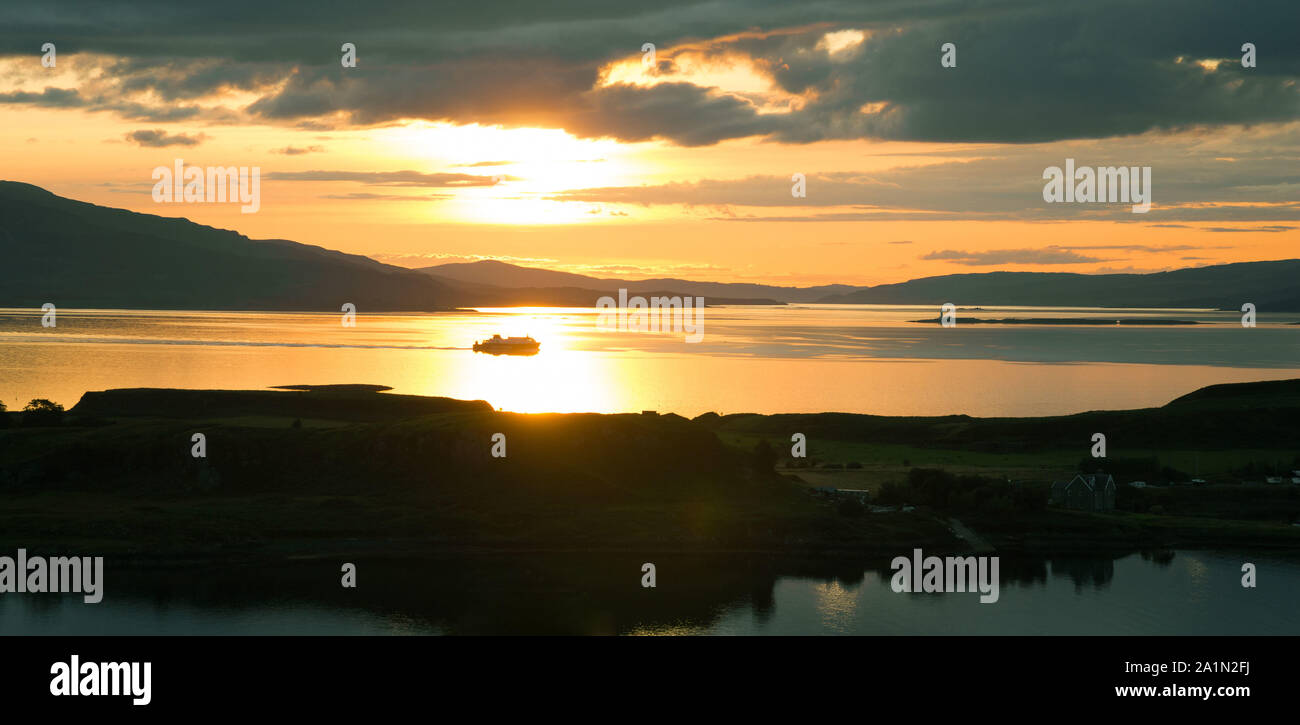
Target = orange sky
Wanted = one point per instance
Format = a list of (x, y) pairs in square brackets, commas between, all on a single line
[(679, 229)]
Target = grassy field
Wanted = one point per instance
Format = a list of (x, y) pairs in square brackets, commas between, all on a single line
[(309, 471), (885, 462)]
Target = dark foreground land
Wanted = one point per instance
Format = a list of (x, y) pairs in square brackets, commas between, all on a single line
[(320, 471)]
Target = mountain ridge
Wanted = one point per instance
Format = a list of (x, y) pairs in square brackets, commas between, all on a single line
[(505, 274), (1269, 285), (77, 254)]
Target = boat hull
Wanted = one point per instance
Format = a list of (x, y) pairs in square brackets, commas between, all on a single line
[(507, 349)]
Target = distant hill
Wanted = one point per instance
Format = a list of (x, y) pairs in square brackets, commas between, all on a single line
[(1259, 415), (1242, 396), (74, 254), (1268, 285), (501, 274), (350, 402)]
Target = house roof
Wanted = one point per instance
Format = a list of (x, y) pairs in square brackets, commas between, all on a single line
[(1091, 479)]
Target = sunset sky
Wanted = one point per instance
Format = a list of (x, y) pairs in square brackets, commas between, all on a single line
[(536, 132)]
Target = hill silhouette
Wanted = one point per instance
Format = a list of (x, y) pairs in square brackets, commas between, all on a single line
[(75, 254), (79, 255), (1267, 285)]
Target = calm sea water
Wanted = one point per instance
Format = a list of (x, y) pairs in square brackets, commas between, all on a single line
[(1172, 593), (800, 358), (761, 359)]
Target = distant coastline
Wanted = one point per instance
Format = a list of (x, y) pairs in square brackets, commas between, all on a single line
[(110, 259), (1064, 321)]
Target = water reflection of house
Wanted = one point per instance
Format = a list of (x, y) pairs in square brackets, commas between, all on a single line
[(1085, 492)]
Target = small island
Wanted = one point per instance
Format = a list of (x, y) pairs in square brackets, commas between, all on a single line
[(1062, 321)]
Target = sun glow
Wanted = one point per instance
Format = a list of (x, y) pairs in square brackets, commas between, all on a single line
[(524, 165), (733, 73), (560, 378), (842, 43)]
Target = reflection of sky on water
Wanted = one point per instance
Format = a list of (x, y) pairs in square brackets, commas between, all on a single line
[(789, 359), (837, 605), (1182, 593), (1195, 593)]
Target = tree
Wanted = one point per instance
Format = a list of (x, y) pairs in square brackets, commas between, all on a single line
[(764, 456), (851, 507), (42, 412), (4, 416)]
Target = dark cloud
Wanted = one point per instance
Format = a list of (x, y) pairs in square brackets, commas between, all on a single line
[(1053, 254), (362, 196), (473, 90), (130, 110), (49, 98), (1136, 247), (1190, 184), (1027, 71), (1055, 71), (1050, 255), (390, 178), (158, 138), (189, 80), (684, 113), (298, 151), (1271, 228)]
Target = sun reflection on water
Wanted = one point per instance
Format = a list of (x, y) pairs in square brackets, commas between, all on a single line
[(836, 605)]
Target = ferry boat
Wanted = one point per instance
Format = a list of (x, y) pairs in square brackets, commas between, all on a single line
[(499, 345)]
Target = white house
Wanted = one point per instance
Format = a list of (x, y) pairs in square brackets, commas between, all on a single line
[(1086, 492)]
